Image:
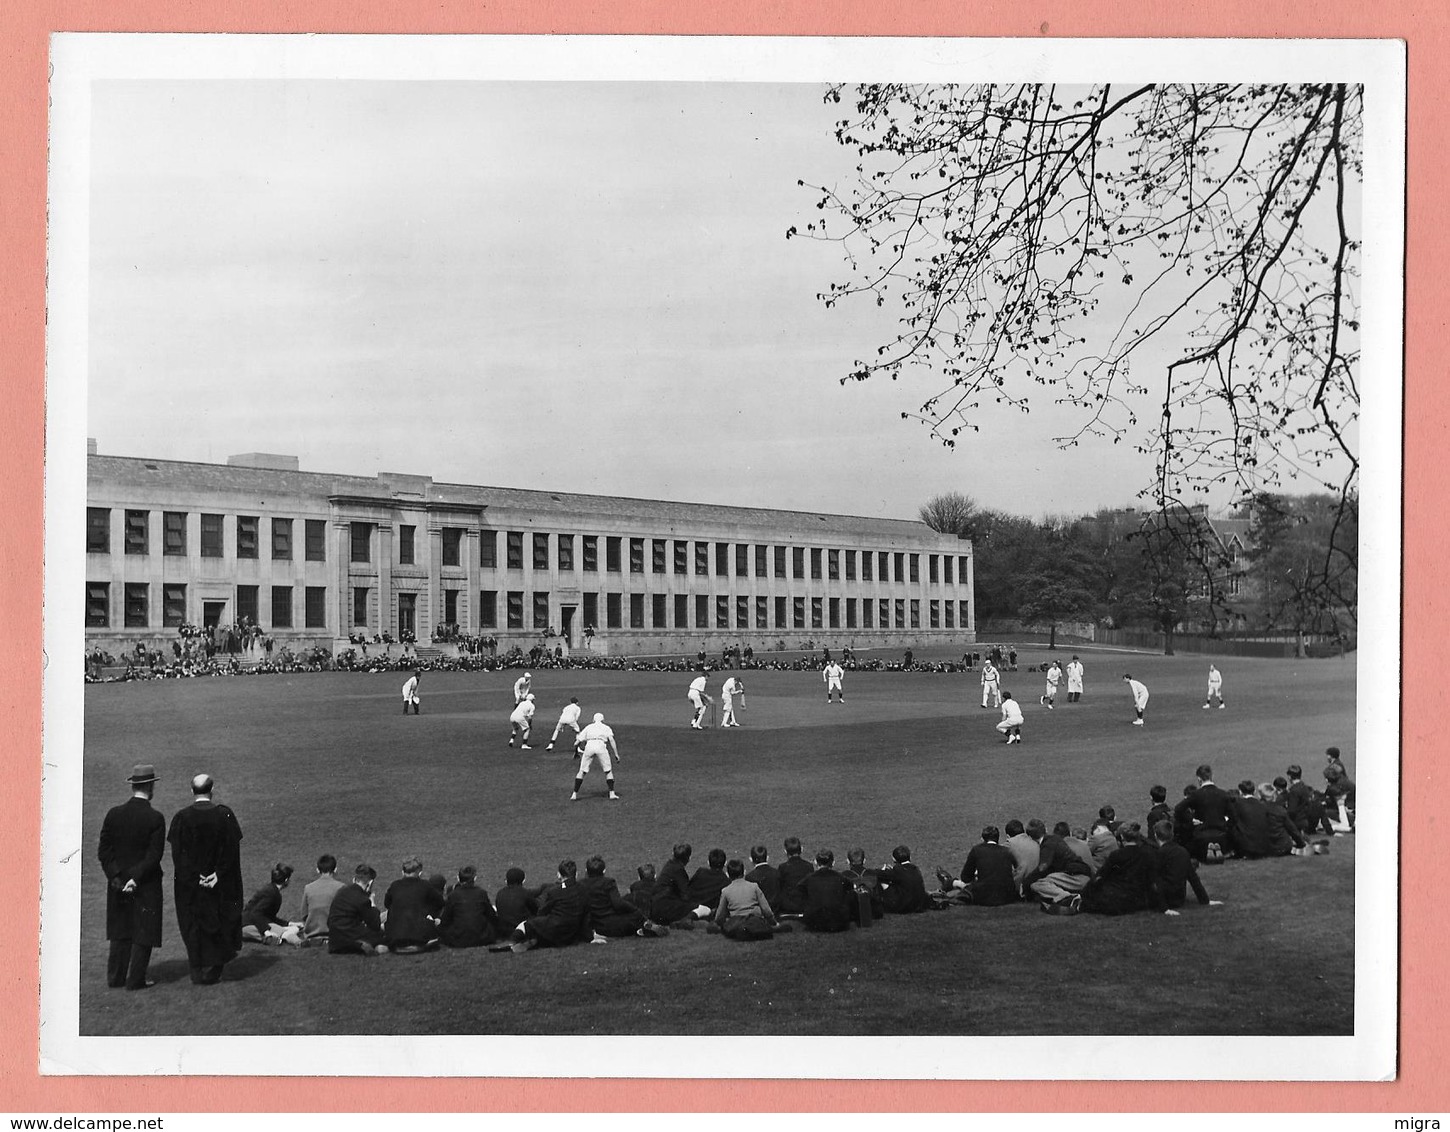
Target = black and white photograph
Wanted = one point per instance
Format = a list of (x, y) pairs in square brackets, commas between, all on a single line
[(774, 553)]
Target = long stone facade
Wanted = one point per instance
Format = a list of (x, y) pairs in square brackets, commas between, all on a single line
[(312, 558)]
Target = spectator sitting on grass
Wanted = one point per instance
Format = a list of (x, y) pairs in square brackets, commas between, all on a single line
[(413, 906), (354, 926), (1023, 849), (642, 891), (764, 874), (1304, 803), (1160, 810), (1127, 882), (1339, 800), (610, 914), (672, 904), (562, 917), (1177, 870), (791, 874), (260, 920), (828, 896), (467, 918), (317, 900), (865, 882), (1262, 827), (707, 883), (988, 877), (1060, 873), (515, 901), (743, 912), (904, 890)]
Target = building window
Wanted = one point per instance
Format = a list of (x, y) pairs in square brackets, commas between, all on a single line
[(450, 607), (931, 568), (815, 563), (316, 600), (762, 613), (1235, 585), (682, 610), (946, 568), (515, 609), (362, 542), (866, 561), (833, 565), (406, 534), (360, 607), (682, 556), (452, 547), (780, 613), (868, 610), (541, 552), (816, 619), (948, 609), (962, 561), (636, 556), (173, 533), (722, 559), (915, 561), (659, 556), (833, 611), (591, 554), (541, 611), (281, 607), (98, 530), (514, 544), (798, 613), (850, 613), (136, 532), (702, 610), (566, 552), (899, 570), (722, 612), (488, 609), (137, 604), (936, 614), (173, 606), (702, 558), (591, 610), (316, 537), (613, 606), (964, 614), (900, 613), (488, 550), (742, 613), (282, 540), (915, 613), (98, 605), (742, 560), (883, 566), (247, 536), (798, 562), (659, 611), (850, 565), (248, 598), (211, 536), (636, 611), (762, 561), (883, 607), (780, 562), (612, 556)]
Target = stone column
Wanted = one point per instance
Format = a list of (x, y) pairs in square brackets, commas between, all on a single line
[(386, 622), (343, 556), (435, 575), (470, 552)]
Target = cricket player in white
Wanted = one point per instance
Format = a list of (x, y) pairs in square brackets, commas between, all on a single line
[(410, 693), (1011, 725), (832, 674), (1140, 697), (1054, 677), (596, 742), (1074, 680), (523, 721), (1215, 685), (697, 696), (569, 717), (523, 686), (731, 689), (991, 684)]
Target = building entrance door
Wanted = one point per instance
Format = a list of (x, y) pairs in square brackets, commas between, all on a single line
[(566, 614), (407, 614), (211, 613)]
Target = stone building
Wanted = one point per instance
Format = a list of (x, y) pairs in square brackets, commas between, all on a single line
[(313, 557)]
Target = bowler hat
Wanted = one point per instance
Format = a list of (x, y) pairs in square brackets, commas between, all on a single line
[(142, 773)]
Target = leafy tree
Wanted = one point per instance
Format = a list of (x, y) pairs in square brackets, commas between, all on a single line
[(1302, 558), (950, 513), (1053, 599), (1177, 263)]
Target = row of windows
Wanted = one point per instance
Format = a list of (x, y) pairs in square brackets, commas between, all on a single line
[(656, 556), (136, 606)]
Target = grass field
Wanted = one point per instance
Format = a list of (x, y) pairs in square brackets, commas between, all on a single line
[(327, 763)]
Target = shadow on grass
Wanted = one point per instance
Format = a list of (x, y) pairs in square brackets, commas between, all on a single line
[(248, 965)]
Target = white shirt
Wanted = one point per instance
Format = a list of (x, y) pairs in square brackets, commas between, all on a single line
[(410, 689), (697, 685), (1140, 690), (1074, 669), (833, 671), (521, 688), (989, 674), (600, 732), (1213, 676), (1054, 674), (731, 687), (1011, 713), (523, 713), (570, 714)]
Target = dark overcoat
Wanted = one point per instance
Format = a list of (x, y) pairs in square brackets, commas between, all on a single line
[(133, 840), (206, 838)]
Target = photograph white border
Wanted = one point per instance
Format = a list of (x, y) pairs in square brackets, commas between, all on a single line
[(78, 60)]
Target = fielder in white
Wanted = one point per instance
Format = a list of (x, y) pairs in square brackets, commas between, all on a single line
[(728, 692), (522, 720), (410, 693), (1074, 680), (1140, 697), (697, 696), (991, 684), (596, 742), (569, 717), (1011, 725), (1054, 678), (1215, 686), (523, 686), (832, 674)]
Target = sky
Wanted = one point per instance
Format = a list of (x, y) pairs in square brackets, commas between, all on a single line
[(572, 286)]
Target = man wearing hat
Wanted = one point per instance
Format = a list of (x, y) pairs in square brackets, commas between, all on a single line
[(596, 742), (133, 840), (206, 858)]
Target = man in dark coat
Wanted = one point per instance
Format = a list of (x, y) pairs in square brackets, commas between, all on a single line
[(467, 919), (905, 888), (562, 918), (828, 897), (792, 872), (413, 907), (133, 840), (1177, 870), (707, 883), (672, 903), (864, 882), (642, 891), (989, 876), (764, 874), (516, 901), (1304, 804), (1211, 809), (610, 914), (1128, 880), (206, 859), (354, 926)]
